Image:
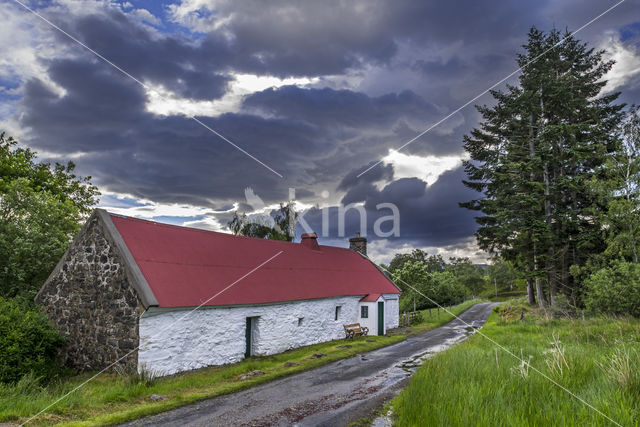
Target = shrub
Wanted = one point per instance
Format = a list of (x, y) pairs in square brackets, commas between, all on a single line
[(434, 289), (28, 344), (614, 290), (448, 289)]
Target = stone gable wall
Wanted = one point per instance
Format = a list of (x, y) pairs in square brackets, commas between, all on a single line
[(91, 302)]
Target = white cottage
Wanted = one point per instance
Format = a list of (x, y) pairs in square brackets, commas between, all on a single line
[(172, 298)]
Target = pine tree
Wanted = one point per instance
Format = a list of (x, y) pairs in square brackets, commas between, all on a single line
[(535, 157)]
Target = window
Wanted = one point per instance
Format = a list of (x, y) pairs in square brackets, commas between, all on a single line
[(338, 312), (364, 312), (300, 319)]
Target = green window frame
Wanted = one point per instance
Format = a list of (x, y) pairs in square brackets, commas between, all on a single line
[(364, 312)]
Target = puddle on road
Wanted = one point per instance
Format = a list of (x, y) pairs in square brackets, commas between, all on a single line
[(408, 366), (379, 384), (411, 364)]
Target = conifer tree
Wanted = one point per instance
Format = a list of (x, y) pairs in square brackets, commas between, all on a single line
[(535, 157)]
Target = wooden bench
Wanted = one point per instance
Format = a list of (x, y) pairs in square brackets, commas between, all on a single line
[(355, 329)]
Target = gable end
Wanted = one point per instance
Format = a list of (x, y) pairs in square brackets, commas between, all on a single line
[(92, 299), (136, 278)]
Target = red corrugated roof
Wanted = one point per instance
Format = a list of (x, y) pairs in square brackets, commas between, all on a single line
[(186, 266), (370, 298)]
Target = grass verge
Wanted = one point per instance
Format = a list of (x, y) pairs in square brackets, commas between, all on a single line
[(113, 398), (474, 383), (435, 317)]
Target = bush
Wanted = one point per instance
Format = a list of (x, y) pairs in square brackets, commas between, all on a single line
[(448, 289), (439, 288), (28, 344), (614, 290)]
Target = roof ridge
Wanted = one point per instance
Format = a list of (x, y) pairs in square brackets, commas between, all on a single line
[(202, 230)]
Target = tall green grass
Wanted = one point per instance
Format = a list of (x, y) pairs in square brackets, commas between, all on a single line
[(476, 383)]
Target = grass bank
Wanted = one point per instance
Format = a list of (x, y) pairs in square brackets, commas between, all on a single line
[(474, 383), (113, 398), (435, 317)]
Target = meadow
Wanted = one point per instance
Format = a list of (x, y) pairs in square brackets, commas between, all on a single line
[(478, 383)]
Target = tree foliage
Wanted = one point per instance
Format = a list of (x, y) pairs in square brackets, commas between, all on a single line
[(614, 289), (433, 263), (469, 275), (424, 289), (622, 220), (41, 209), (58, 179), (535, 158), (502, 275), (27, 343), (279, 225)]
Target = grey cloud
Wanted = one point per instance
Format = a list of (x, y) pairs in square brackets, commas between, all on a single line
[(172, 61), (429, 216), (317, 138), (381, 172), (345, 107)]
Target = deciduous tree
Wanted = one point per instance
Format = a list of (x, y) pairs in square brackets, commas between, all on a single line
[(42, 207)]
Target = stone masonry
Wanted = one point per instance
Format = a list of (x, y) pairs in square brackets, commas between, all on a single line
[(89, 299), (358, 244)]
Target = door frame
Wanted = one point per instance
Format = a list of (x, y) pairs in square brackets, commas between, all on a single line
[(248, 336), (380, 317)]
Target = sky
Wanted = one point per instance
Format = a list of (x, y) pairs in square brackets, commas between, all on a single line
[(188, 111)]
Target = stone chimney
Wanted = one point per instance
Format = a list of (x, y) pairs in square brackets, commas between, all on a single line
[(310, 240), (358, 244)]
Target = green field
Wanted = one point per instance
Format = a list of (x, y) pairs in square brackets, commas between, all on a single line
[(476, 383), (113, 398)]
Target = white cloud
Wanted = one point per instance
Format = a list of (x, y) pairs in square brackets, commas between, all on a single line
[(25, 42), (381, 251), (627, 66), (197, 15), (147, 209), (428, 168), (164, 102), (207, 223), (146, 17)]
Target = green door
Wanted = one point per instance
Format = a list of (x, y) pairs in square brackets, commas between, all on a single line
[(247, 351), (381, 318)]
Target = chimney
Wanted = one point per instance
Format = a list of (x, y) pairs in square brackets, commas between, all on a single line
[(310, 240), (358, 244)]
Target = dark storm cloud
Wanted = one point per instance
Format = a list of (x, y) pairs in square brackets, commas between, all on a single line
[(356, 128), (311, 136), (327, 106), (429, 216), (317, 138), (173, 61), (317, 38), (160, 158), (173, 159), (382, 172)]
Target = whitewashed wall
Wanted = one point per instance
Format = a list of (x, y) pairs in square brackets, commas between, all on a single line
[(392, 311), (173, 341), (370, 322), (391, 314)]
